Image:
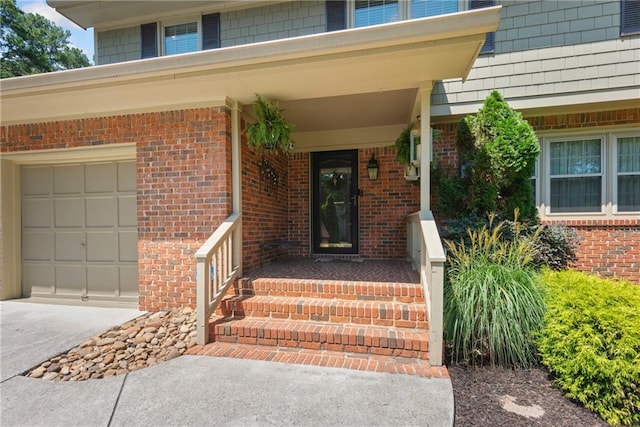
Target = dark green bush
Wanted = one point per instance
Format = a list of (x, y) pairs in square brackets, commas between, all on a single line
[(493, 299), (556, 246), (591, 343), (497, 150)]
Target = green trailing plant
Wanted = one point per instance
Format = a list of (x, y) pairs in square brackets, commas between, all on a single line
[(403, 145), (270, 132), (591, 343), (494, 302)]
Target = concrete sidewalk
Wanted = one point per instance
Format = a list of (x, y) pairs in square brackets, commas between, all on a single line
[(199, 390)]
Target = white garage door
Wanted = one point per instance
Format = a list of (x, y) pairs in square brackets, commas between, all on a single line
[(79, 231)]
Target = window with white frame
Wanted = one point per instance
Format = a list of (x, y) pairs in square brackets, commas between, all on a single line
[(181, 38), (590, 174), (575, 175), (628, 174)]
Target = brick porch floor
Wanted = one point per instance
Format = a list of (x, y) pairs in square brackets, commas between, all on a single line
[(356, 315)]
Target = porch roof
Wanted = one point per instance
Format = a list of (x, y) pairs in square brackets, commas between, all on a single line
[(353, 78)]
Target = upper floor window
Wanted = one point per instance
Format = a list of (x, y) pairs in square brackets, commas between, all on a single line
[(181, 38), (184, 36), (422, 8), (373, 12)]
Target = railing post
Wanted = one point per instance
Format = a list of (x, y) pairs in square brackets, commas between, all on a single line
[(203, 283), (437, 309)]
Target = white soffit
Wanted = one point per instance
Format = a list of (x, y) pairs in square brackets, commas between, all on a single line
[(385, 58)]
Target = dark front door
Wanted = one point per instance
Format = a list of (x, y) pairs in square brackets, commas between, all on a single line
[(335, 202)]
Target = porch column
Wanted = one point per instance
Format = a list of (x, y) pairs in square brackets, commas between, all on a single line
[(236, 178), (425, 143)]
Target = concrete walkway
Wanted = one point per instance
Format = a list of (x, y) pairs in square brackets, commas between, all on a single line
[(196, 390)]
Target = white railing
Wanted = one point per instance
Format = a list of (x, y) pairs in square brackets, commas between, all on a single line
[(427, 255), (219, 263)]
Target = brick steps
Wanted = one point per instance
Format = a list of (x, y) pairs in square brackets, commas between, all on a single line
[(286, 318), (381, 313), (376, 291), (364, 339), (327, 358)]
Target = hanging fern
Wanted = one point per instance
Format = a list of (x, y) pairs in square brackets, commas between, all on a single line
[(403, 146), (270, 132)]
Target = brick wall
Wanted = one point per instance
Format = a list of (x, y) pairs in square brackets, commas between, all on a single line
[(382, 207), (608, 247), (264, 205), (183, 186)]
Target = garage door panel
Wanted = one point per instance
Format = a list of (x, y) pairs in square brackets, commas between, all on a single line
[(69, 246), (101, 178), (128, 280), (39, 278), (101, 211), (102, 280), (101, 246), (68, 179), (128, 246), (69, 212), (70, 279), (36, 180), (37, 246), (36, 213), (127, 176), (127, 211)]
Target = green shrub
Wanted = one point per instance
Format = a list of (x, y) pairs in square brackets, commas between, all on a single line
[(493, 299), (556, 246), (497, 150), (591, 343)]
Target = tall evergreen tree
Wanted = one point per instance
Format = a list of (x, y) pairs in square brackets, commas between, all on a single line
[(31, 44)]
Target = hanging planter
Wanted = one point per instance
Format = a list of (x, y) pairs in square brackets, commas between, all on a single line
[(270, 132), (407, 153)]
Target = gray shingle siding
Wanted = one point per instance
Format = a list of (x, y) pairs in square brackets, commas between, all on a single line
[(118, 45), (548, 48)]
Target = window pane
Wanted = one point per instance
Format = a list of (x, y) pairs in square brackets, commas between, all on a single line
[(629, 165), (575, 157), (583, 194), (181, 38), (422, 8), (629, 154), (373, 12), (629, 193)]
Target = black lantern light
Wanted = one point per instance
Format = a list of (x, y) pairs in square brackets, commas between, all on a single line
[(372, 168)]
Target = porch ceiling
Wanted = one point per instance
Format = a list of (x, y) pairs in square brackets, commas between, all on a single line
[(345, 79)]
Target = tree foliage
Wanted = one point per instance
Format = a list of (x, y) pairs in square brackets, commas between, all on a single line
[(31, 44), (497, 150)]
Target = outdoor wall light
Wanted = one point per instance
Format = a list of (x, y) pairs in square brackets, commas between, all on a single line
[(372, 168)]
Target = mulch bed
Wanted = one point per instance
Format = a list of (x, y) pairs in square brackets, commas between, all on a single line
[(482, 394)]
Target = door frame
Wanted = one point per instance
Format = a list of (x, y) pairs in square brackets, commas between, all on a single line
[(316, 158)]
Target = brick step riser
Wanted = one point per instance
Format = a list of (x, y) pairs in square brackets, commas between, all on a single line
[(402, 293), (395, 316), (344, 342)]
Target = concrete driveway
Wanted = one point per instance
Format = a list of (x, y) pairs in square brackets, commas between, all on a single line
[(196, 390)]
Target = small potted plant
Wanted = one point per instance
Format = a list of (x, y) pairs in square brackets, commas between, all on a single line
[(270, 132), (404, 153)]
